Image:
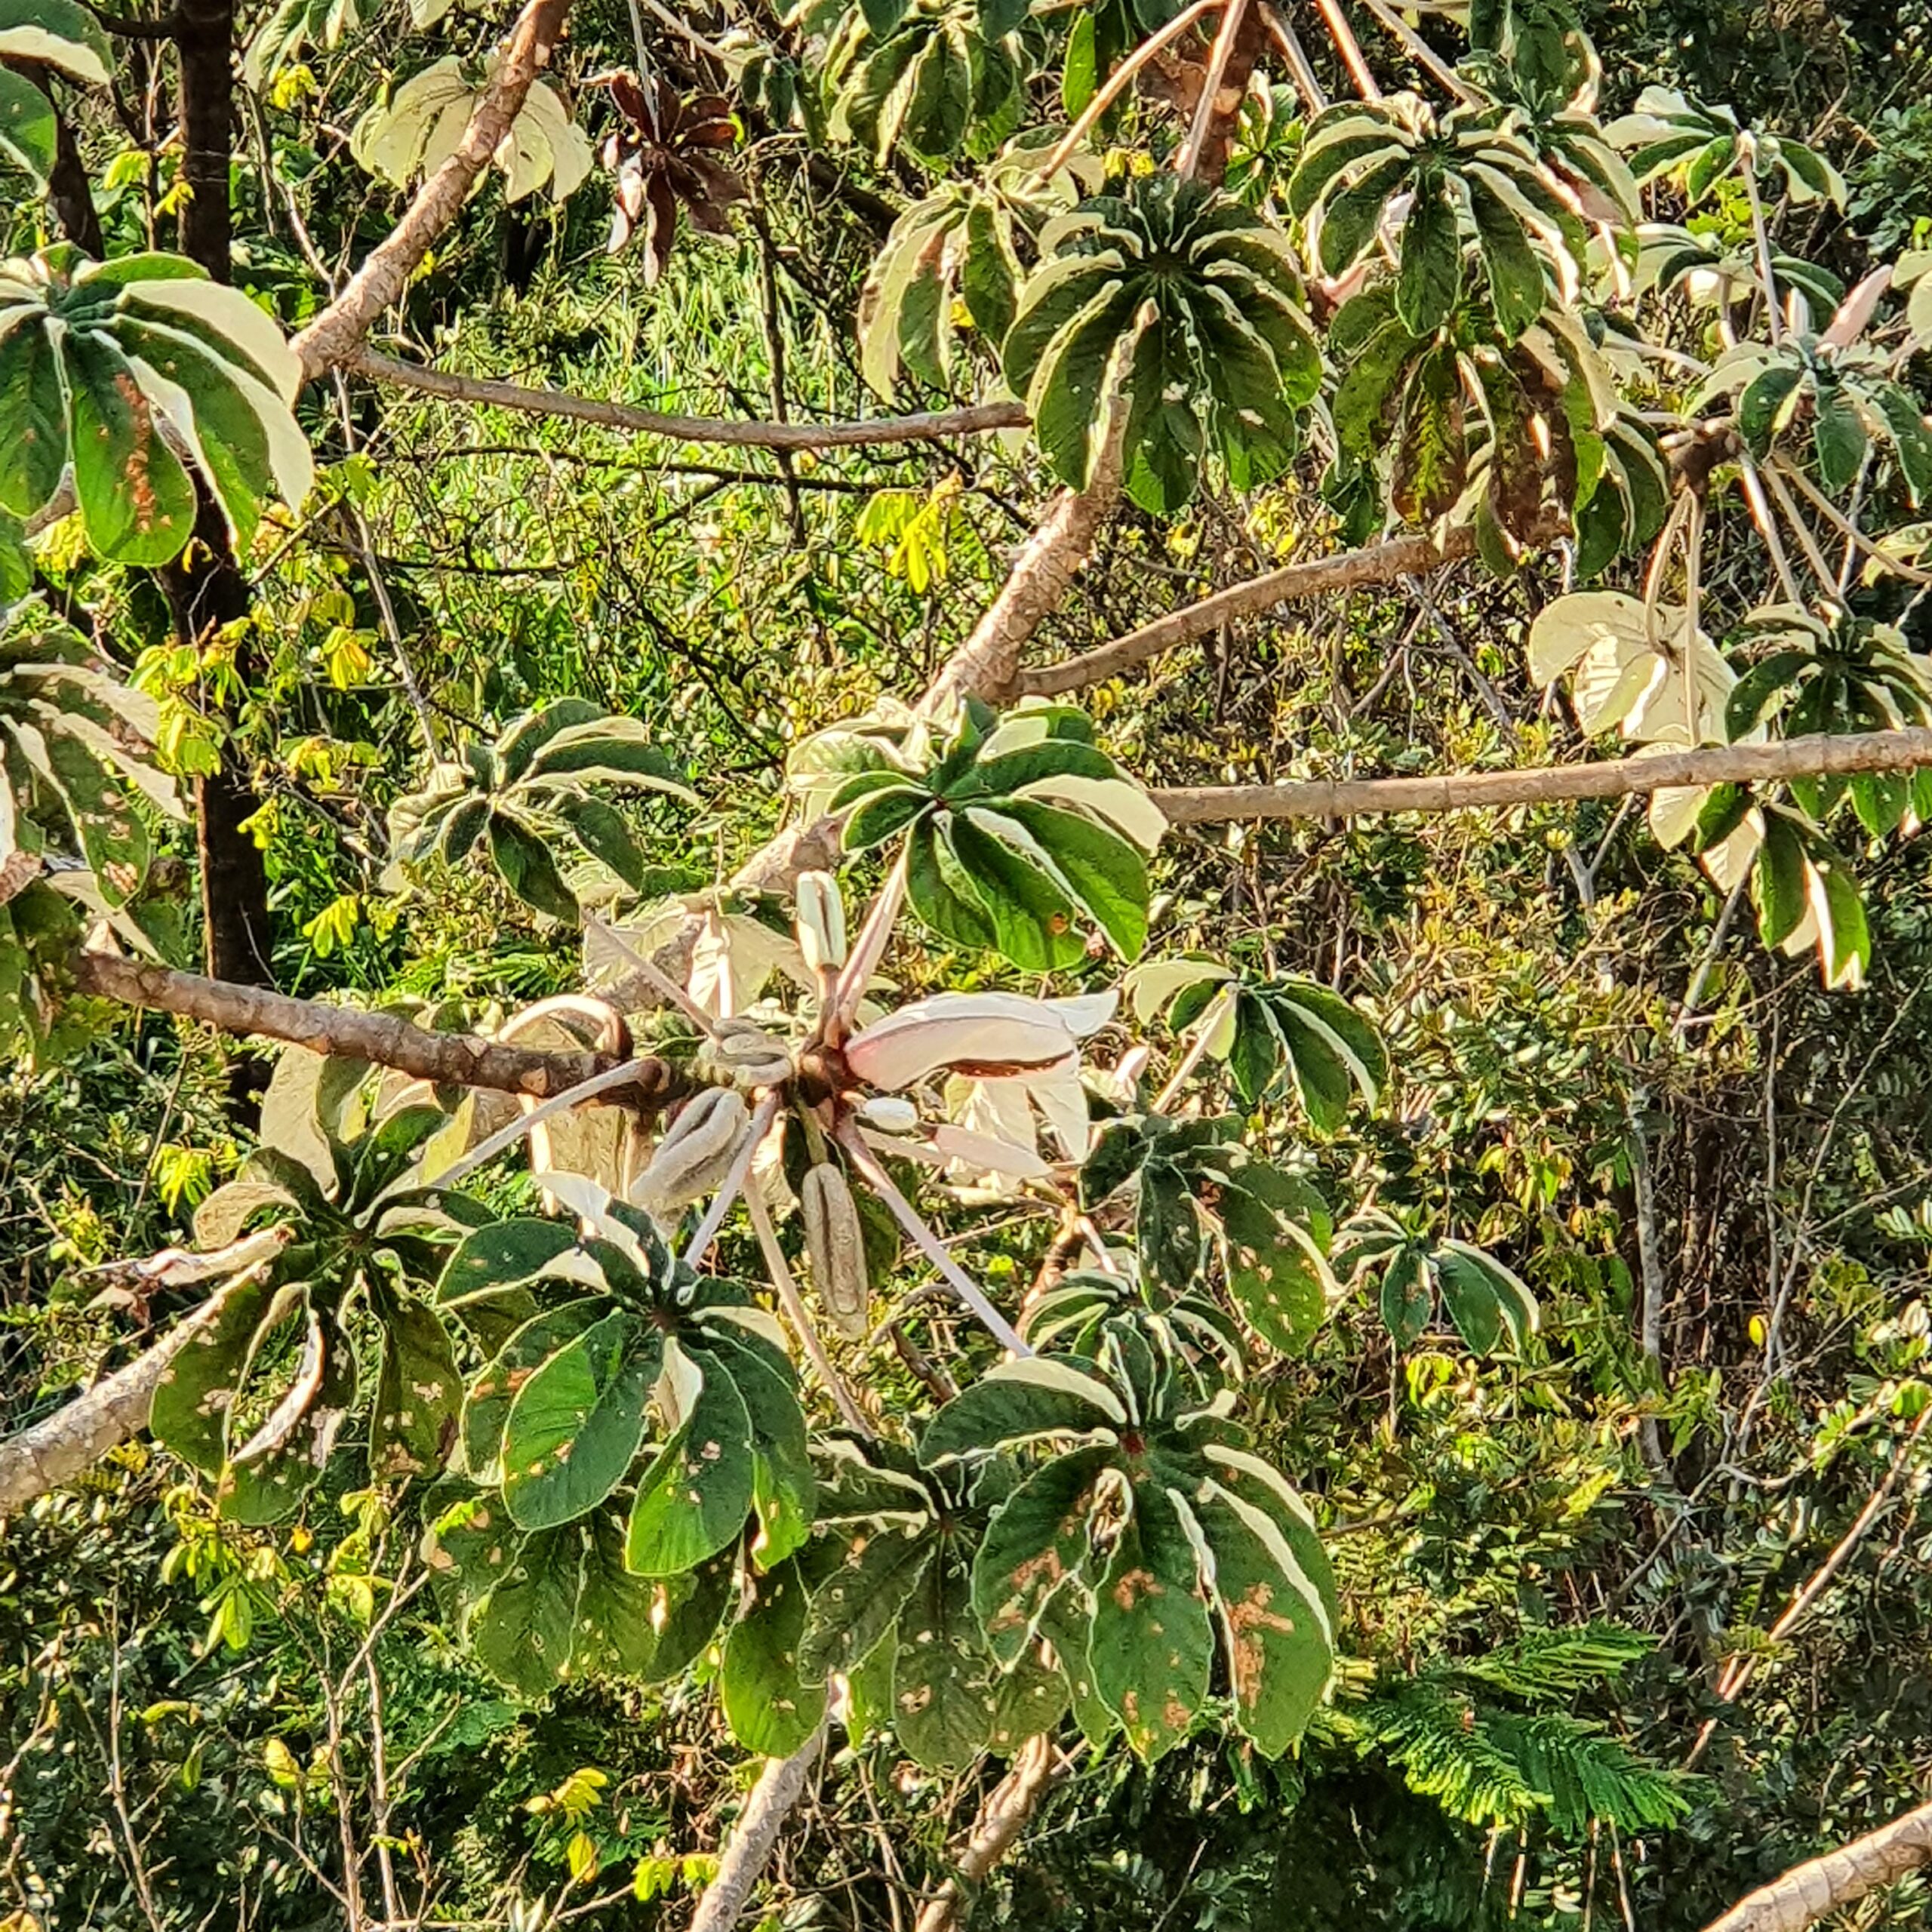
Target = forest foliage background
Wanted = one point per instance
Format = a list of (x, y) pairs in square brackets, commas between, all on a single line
[(1546, 1555)]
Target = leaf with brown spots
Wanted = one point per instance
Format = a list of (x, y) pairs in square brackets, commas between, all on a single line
[(694, 1498), (575, 1424), (770, 1709), (136, 500), (1279, 1657), (1038, 1539), (1152, 1644)]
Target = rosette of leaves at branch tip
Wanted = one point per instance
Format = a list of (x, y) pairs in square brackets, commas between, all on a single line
[(1714, 269), (622, 1346), (1076, 1316), (58, 34), (931, 75), (1265, 1030), (1470, 179), (75, 745), (1194, 306), (409, 131), (1196, 1190), (1144, 1520), (962, 247), (1418, 1272), (130, 371), (536, 784), (1521, 432), (1696, 144), (1831, 398), (892, 1607), (664, 156), (258, 1397), (1022, 830), (1837, 672)]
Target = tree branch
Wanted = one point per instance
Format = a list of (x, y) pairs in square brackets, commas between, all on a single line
[(922, 429), (780, 1787), (333, 336), (58, 1448), (1598, 778), (1807, 1892), (1321, 576), (1002, 1818), (386, 1039)]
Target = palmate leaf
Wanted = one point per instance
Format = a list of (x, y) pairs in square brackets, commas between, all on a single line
[(771, 1709), (1022, 830), (116, 366), (1209, 1531), (1487, 1302), (535, 792), (562, 1415), (924, 76), (1197, 303)]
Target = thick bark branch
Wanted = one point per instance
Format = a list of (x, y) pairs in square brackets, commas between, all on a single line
[(987, 665), (57, 1449), (780, 1787), (335, 334), (1807, 1892), (1598, 778), (934, 428), (1002, 1818), (1321, 576), (386, 1039)]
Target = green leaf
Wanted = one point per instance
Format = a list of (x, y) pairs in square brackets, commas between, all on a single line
[(528, 869), (1020, 1401), (943, 1698), (784, 1490), (856, 1607), (1408, 1296), (524, 1632), (1764, 405), (1350, 219), (1430, 278), (1037, 1539), (486, 1407), (600, 829), (1031, 918), (1106, 873), (694, 1498), (575, 1424), (1777, 880), (1517, 291), (1168, 1226), (1080, 78), (1279, 1658), (28, 132), (196, 1391), (135, 499), (1460, 1268), (492, 1268), (1275, 1272), (1152, 1644), (770, 1709), (1838, 436), (419, 1392)]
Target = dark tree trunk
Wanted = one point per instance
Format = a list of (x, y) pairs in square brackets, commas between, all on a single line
[(206, 590), (67, 187)]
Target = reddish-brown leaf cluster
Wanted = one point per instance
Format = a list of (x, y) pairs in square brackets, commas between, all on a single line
[(664, 154)]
